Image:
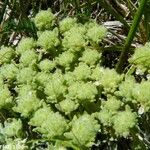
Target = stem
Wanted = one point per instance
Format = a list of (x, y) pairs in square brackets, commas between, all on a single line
[(131, 35)]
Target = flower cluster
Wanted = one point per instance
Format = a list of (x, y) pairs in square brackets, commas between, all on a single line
[(56, 88)]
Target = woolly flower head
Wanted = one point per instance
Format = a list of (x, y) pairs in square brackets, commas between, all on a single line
[(27, 104), (69, 78), (112, 104), (126, 87), (26, 44), (23, 89), (12, 127), (109, 79), (52, 124), (105, 117), (141, 94), (90, 56), (96, 73), (74, 39), (66, 24), (5, 97), (96, 33), (109, 109), (124, 121), (83, 92), (26, 75), (55, 88), (15, 144), (28, 58), (67, 106), (84, 130), (55, 125), (82, 72), (44, 19), (41, 113), (48, 40), (9, 71), (65, 59), (6, 54), (141, 57), (41, 78), (46, 65)]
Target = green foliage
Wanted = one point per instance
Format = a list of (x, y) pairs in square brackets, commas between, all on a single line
[(57, 93)]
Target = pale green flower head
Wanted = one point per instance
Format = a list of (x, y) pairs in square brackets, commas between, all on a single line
[(141, 94), (26, 75), (54, 125), (67, 23), (124, 121), (55, 88), (27, 104), (48, 40), (9, 71), (126, 87), (74, 39), (23, 89), (25, 44), (96, 73), (96, 33), (90, 56), (28, 58), (40, 116), (141, 57), (15, 144), (109, 79), (105, 117), (46, 65), (65, 59), (5, 96), (82, 72), (12, 127), (6, 54), (83, 92), (69, 78), (84, 130), (67, 106), (44, 20), (112, 104), (41, 78)]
